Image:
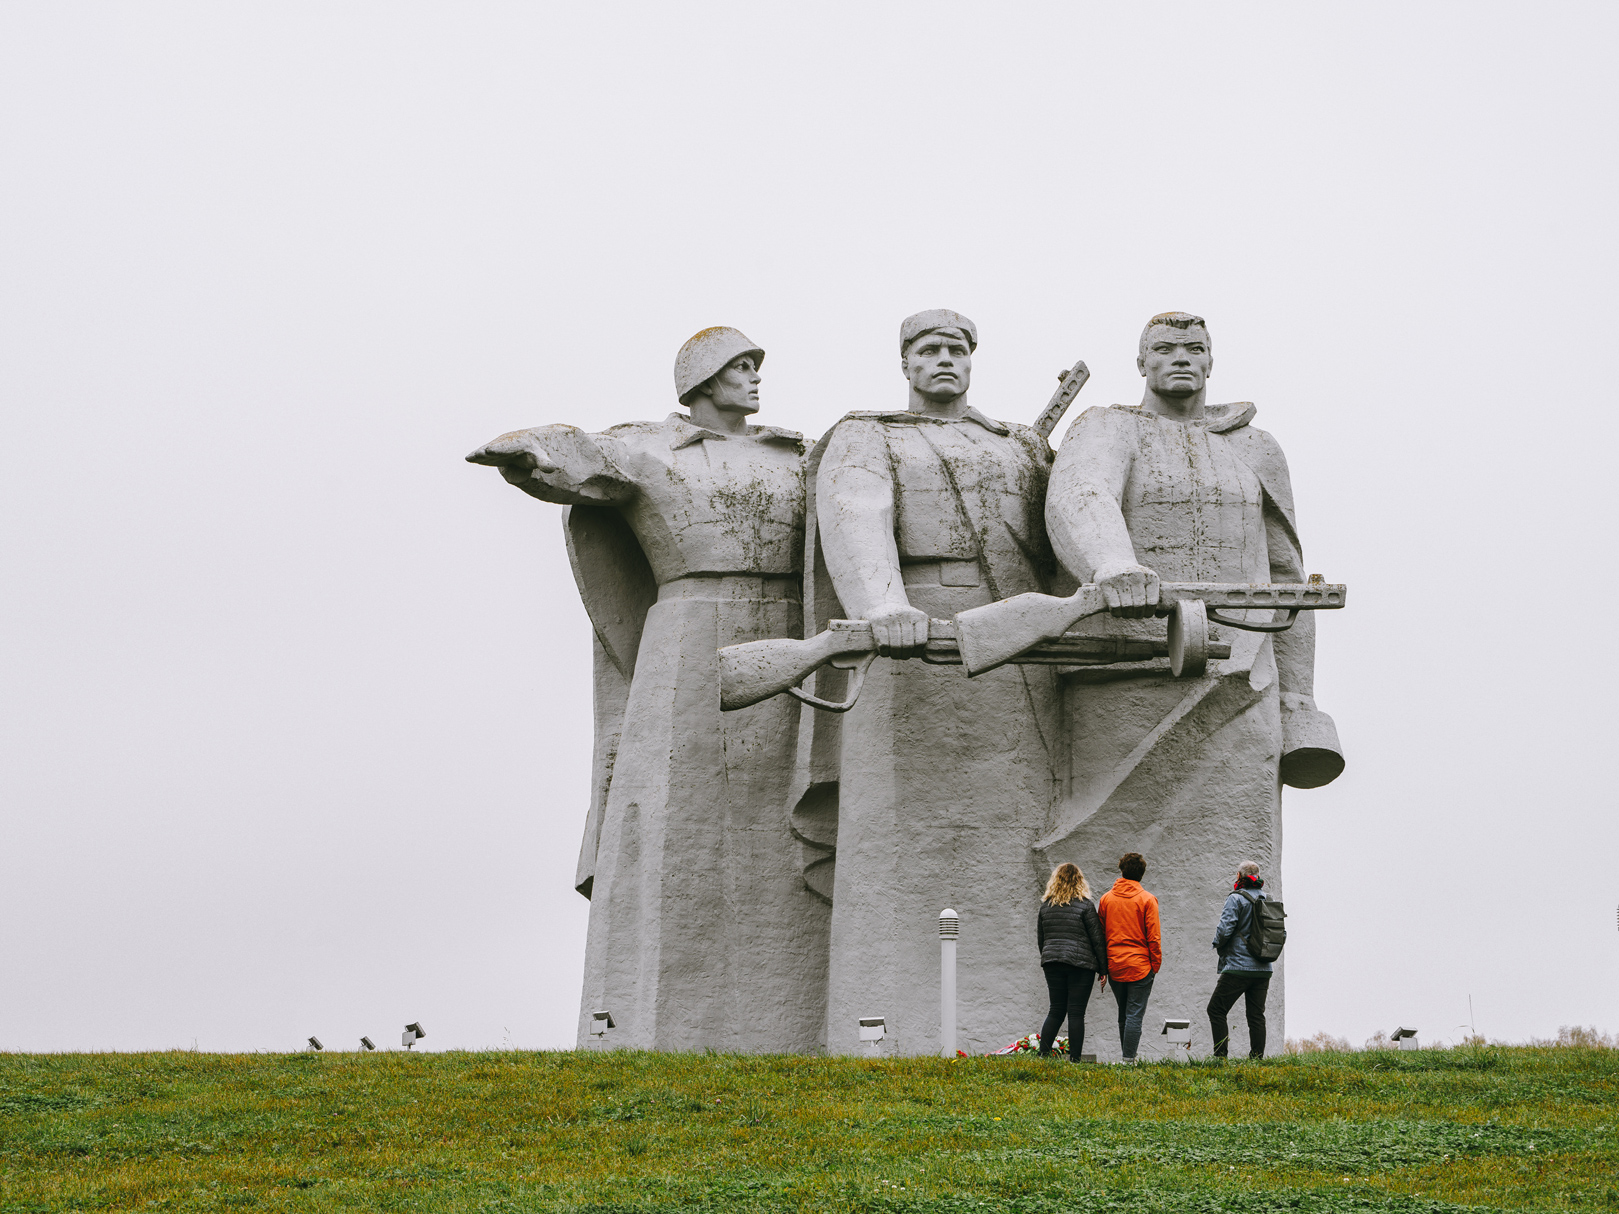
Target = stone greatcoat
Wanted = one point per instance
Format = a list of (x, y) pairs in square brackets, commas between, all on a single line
[(1186, 771), (930, 792), (683, 540)]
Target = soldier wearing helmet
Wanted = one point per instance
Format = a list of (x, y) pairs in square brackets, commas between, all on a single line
[(687, 535)]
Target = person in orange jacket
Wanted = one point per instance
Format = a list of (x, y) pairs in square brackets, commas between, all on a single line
[(1129, 917)]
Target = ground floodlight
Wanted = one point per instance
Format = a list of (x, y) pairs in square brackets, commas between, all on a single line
[(1404, 1038), (315, 1045), (600, 1022), (1179, 1033), (872, 1030), (415, 1026), (367, 1043)]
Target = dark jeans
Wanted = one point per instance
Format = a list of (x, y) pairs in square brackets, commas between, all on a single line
[(1253, 986), (1132, 997), (1070, 988)]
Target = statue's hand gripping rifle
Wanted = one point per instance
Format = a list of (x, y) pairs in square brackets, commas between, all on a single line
[(1025, 629)]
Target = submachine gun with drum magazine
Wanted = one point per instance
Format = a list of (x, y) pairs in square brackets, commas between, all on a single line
[(1025, 629)]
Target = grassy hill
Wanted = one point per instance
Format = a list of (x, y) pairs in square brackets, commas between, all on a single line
[(1434, 1130)]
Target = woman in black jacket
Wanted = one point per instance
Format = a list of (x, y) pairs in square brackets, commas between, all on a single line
[(1073, 954)]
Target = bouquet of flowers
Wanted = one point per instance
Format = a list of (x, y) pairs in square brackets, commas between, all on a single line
[(1030, 1045)]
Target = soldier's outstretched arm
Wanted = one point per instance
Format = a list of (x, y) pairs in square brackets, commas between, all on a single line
[(560, 464)]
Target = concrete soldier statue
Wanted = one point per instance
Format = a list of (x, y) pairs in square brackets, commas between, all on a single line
[(686, 535), (935, 792), (1186, 771)]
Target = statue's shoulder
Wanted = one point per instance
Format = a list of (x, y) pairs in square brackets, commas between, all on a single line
[(1105, 419), (1235, 421), (1258, 449), (1118, 415), (1030, 439), (647, 440), (865, 424), (1020, 430), (636, 430), (877, 416)]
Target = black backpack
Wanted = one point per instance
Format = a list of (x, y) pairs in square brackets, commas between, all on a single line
[(1266, 932)]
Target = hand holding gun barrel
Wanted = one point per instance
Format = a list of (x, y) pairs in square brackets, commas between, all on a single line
[(1028, 628)]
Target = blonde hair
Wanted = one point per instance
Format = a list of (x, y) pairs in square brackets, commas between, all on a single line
[(1066, 884)]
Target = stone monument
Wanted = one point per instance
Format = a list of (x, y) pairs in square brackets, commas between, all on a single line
[(762, 878), (685, 536), (1186, 771), (942, 783)]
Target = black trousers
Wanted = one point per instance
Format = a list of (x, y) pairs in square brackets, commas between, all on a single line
[(1070, 989), (1253, 986)]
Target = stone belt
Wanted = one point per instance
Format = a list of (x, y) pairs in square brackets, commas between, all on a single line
[(731, 586), (941, 573)]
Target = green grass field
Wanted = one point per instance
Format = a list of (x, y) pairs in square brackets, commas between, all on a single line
[(1431, 1130)]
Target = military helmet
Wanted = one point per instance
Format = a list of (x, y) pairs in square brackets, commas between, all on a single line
[(707, 354)]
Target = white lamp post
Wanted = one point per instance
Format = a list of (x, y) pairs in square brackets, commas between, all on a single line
[(949, 930)]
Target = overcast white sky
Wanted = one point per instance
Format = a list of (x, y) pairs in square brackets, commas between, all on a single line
[(295, 717)]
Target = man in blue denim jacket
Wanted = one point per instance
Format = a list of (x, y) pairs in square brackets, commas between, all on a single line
[(1241, 973)]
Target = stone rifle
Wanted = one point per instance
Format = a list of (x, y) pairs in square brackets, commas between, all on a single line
[(1024, 629)]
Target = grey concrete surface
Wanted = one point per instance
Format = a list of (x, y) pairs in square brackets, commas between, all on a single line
[(686, 536), (762, 879), (1186, 771), (942, 784)]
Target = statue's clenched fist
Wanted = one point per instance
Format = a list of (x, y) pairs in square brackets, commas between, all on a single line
[(899, 631), (1131, 591)]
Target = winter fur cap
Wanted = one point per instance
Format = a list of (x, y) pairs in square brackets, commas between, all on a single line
[(707, 354), (933, 320)]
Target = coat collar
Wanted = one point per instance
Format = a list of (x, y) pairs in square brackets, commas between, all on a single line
[(1217, 419), (905, 415), (1222, 419), (683, 432)]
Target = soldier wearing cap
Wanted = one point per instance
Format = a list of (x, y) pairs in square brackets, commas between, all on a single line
[(940, 784), (686, 535), (1185, 490)]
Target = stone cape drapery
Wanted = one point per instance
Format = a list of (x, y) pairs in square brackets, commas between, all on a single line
[(1186, 771), (699, 919), (931, 791), (617, 590)]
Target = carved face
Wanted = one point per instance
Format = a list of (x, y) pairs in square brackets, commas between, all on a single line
[(939, 365), (736, 388), (1177, 361)]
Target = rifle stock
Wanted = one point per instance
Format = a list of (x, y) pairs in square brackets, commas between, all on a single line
[(757, 670), (994, 634)]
